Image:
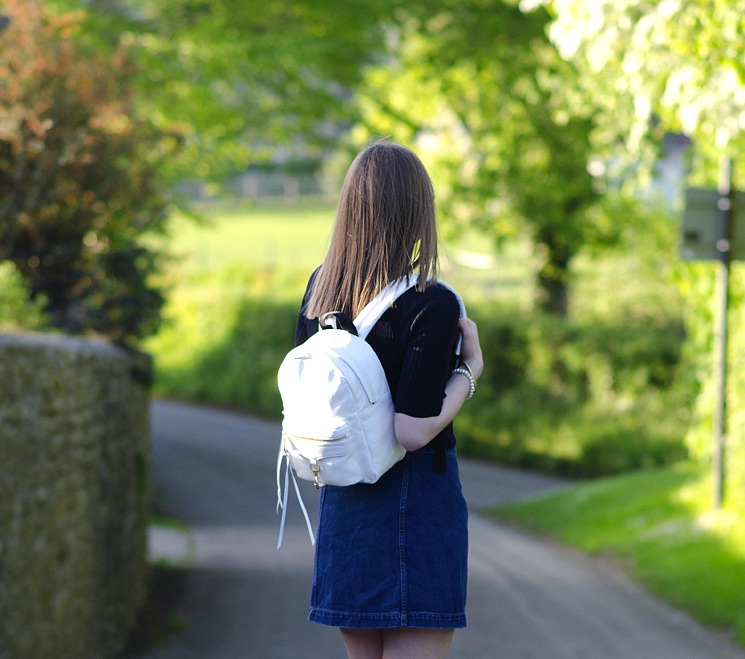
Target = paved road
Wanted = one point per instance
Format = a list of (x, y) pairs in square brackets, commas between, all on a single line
[(527, 599)]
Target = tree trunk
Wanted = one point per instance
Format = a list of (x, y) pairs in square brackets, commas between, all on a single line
[(552, 294)]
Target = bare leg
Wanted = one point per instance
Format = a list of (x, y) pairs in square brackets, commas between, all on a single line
[(363, 643), (414, 643)]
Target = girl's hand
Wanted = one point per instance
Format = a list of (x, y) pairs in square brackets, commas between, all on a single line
[(470, 351)]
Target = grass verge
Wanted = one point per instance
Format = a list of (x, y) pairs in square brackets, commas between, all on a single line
[(659, 525)]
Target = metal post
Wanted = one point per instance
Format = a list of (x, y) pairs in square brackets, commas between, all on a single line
[(724, 234)]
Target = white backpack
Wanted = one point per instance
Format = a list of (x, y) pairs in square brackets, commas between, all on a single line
[(338, 425)]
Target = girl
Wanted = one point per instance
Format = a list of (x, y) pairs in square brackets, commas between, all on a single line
[(391, 558)]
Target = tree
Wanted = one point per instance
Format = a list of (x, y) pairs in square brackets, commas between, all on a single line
[(480, 84), (104, 102), (677, 65), (79, 181), (241, 80)]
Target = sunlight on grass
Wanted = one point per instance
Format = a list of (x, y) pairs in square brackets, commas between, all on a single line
[(660, 524), (295, 239), (285, 238)]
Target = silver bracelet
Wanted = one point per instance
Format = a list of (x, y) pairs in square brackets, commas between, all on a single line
[(471, 380)]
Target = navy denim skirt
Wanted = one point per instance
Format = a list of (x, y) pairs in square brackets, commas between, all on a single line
[(395, 553)]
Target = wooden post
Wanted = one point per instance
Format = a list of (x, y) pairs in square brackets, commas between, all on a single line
[(723, 245)]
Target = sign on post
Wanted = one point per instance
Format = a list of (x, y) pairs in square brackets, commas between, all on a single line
[(714, 230), (700, 230)]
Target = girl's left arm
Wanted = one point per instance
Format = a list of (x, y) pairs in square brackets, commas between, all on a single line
[(415, 432)]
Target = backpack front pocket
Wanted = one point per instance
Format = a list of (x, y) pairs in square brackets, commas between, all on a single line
[(311, 457)]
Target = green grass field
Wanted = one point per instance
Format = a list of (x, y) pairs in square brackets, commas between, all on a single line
[(282, 238), (295, 239)]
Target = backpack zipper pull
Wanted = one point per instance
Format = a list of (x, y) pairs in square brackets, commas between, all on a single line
[(316, 469)]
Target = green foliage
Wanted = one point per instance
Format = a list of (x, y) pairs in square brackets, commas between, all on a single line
[(224, 336), (242, 80), (483, 92), (579, 398), (657, 523), (79, 178), (697, 282), (674, 65), (16, 312)]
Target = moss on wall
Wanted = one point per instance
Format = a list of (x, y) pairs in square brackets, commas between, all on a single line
[(73, 496)]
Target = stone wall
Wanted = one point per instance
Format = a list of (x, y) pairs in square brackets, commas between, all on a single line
[(74, 455)]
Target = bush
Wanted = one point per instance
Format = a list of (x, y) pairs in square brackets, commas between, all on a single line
[(580, 399), (224, 336), (79, 178)]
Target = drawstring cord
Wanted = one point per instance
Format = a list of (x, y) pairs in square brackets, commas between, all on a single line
[(282, 496)]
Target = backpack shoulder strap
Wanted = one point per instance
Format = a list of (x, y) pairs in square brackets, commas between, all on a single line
[(371, 314)]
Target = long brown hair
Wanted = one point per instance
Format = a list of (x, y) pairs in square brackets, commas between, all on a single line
[(384, 229)]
